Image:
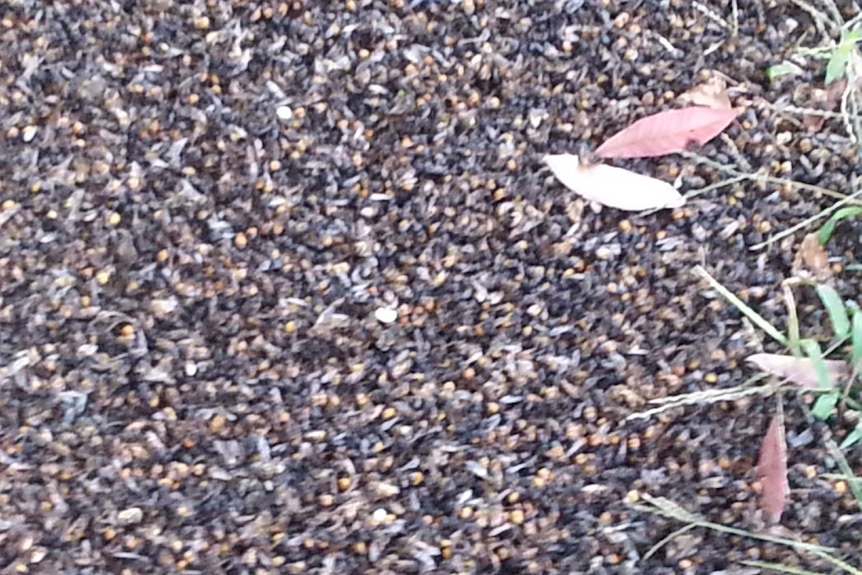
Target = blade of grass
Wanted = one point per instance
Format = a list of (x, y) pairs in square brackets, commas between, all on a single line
[(706, 397), (669, 509), (792, 321), (856, 332), (856, 347), (838, 456), (779, 568), (846, 567), (812, 350), (807, 222), (842, 477), (799, 570), (829, 227), (783, 69), (652, 550), (852, 438), (836, 309), (755, 317), (825, 403), (837, 65)]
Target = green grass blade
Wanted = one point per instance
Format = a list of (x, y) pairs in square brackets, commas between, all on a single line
[(812, 350), (825, 404), (793, 337), (836, 308), (846, 567), (837, 65), (845, 468), (783, 69), (853, 37), (856, 332), (852, 438), (755, 317), (826, 231)]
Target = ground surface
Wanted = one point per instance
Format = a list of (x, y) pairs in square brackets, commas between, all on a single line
[(204, 208)]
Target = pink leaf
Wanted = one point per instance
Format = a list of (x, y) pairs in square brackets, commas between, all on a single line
[(772, 471), (667, 132), (799, 370), (614, 187)]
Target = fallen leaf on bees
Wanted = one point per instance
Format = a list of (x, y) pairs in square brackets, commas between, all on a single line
[(799, 370), (711, 94), (611, 186), (667, 132), (772, 471)]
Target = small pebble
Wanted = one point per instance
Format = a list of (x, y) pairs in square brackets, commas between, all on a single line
[(284, 113), (386, 315)]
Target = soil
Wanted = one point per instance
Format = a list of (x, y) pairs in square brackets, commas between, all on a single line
[(285, 287)]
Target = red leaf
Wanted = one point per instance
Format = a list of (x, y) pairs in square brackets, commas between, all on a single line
[(772, 471), (667, 132)]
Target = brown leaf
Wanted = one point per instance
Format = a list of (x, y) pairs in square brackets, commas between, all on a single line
[(772, 471), (799, 370), (613, 187), (827, 99), (667, 132), (712, 94), (811, 258)]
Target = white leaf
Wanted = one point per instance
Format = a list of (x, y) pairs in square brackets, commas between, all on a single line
[(613, 187)]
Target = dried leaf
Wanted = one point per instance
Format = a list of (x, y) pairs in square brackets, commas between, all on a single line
[(613, 187), (800, 370), (667, 132), (827, 99), (772, 471), (811, 259), (712, 94)]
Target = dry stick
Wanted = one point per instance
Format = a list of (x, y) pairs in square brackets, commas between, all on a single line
[(854, 70), (819, 19), (671, 510), (805, 223), (730, 170), (780, 568), (841, 477), (844, 199), (853, 21), (741, 161), (694, 193), (845, 115), (838, 19), (654, 549), (734, 10), (706, 397), (732, 298), (712, 15), (809, 111), (728, 182)]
